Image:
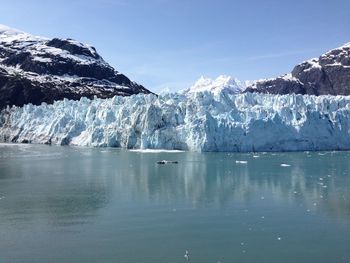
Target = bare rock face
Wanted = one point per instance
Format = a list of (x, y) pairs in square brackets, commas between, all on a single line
[(36, 69), (328, 74)]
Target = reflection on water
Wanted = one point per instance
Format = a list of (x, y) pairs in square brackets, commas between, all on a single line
[(43, 181), (66, 196)]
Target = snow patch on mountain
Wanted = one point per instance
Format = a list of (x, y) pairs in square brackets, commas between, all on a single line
[(17, 39), (38, 47)]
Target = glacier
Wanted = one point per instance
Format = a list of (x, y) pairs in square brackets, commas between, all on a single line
[(200, 121)]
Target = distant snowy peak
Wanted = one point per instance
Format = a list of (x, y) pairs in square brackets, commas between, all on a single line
[(327, 74), (220, 84), (37, 69)]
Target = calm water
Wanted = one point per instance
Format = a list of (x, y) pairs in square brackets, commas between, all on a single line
[(66, 204)]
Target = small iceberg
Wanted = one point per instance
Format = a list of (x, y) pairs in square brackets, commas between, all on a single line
[(241, 162), (285, 165), (167, 162), (187, 255)]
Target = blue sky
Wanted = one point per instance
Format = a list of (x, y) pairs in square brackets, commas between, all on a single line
[(163, 43)]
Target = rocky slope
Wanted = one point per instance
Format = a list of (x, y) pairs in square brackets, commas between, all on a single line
[(328, 74), (36, 69)]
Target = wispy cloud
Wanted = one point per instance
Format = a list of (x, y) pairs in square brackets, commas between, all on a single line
[(284, 54)]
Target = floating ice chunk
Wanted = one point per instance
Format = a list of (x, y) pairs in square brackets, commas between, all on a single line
[(167, 162), (285, 165), (187, 255)]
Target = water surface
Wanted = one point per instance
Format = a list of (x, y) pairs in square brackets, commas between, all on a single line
[(67, 204)]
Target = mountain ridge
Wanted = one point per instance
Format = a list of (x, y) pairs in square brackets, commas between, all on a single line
[(329, 74), (37, 69)]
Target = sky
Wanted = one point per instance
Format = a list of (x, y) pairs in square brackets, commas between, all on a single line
[(171, 43)]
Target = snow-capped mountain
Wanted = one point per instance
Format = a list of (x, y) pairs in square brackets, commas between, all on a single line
[(220, 84), (199, 121), (37, 69), (328, 74)]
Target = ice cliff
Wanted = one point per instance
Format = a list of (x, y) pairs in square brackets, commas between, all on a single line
[(201, 121)]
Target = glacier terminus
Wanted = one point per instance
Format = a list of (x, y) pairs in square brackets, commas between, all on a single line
[(194, 121)]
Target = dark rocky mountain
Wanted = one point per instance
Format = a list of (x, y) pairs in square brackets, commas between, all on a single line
[(36, 69), (328, 74)]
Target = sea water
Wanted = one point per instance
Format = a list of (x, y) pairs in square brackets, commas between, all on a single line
[(70, 204)]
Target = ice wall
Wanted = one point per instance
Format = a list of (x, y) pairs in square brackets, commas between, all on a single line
[(198, 122)]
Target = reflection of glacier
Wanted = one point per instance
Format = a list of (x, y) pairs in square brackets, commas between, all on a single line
[(69, 185), (198, 121), (313, 182)]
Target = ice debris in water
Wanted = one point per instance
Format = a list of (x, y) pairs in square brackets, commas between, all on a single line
[(187, 255), (285, 165), (200, 121)]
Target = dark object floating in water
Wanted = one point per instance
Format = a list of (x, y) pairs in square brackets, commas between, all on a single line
[(166, 162)]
